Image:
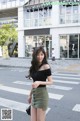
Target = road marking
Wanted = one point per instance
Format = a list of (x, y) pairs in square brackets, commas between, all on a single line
[(23, 82), (26, 92), (51, 86), (67, 82), (76, 108), (66, 77), (15, 105), (18, 70), (72, 75), (60, 87)]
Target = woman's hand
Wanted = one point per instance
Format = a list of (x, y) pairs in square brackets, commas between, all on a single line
[(35, 84), (29, 99)]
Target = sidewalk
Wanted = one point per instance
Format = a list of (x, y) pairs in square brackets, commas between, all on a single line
[(57, 65)]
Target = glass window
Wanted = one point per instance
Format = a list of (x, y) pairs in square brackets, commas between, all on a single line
[(41, 22), (27, 23), (33, 22), (68, 9), (75, 9), (35, 14), (46, 12), (63, 46), (62, 19), (73, 46), (50, 10), (31, 15), (75, 18), (27, 14), (62, 10), (68, 18), (40, 13)]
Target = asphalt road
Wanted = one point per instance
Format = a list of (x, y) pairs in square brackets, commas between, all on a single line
[(64, 95)]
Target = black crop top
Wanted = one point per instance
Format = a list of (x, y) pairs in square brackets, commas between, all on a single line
[(41, 75)]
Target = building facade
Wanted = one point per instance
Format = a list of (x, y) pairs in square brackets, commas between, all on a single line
[(48, 23)]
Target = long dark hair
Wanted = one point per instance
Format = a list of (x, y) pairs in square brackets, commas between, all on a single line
[(34, 63)]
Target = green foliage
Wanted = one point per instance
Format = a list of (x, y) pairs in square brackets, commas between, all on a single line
[(8, 33)]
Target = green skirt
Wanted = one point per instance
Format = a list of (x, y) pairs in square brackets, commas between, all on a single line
[(40, 98)]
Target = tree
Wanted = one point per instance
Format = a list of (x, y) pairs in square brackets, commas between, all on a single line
[(8, 34)]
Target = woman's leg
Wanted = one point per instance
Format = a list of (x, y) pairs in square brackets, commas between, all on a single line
[(41, 114), (33, 114)]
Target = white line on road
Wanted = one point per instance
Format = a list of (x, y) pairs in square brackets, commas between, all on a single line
[(26, 92), (62, 74), (60, 87), (51, 86), (17, 70), (76, 108), (74, 78), (15, 105), (67, 82), (23, 82)]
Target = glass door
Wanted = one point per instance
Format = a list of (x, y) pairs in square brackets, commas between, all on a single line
[(73, 46), (48, 46)]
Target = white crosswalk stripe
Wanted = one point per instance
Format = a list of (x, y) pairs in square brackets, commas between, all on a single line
[(76, 108), (67, 82), (74, 78), (51, 86), (26, 92), (15, 105), (19, 70), (68, 75)]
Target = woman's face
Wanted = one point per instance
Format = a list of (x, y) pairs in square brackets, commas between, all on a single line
[(40, 57)]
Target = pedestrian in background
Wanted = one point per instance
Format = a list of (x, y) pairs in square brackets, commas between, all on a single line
[(39, 71)]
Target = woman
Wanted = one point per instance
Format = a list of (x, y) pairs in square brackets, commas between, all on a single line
[(39, 71)]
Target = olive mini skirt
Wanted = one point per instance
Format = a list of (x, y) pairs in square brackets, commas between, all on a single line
[(40, 98)]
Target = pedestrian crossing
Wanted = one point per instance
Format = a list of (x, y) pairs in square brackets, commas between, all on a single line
[(14, 69), (53, 96)]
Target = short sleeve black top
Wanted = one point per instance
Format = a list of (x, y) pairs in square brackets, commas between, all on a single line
[(41, 75)]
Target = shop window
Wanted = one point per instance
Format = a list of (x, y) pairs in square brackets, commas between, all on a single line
[(68, 18), (63, 46), (62, 19), (62, 10), (75, 18), (73, 46)]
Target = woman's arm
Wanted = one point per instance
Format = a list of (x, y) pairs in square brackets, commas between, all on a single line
[(37, 83), (30, 93), (49, 82)]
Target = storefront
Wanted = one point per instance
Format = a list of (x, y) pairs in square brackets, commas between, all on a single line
[(70, 46), (35, 38), (39, 40)]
